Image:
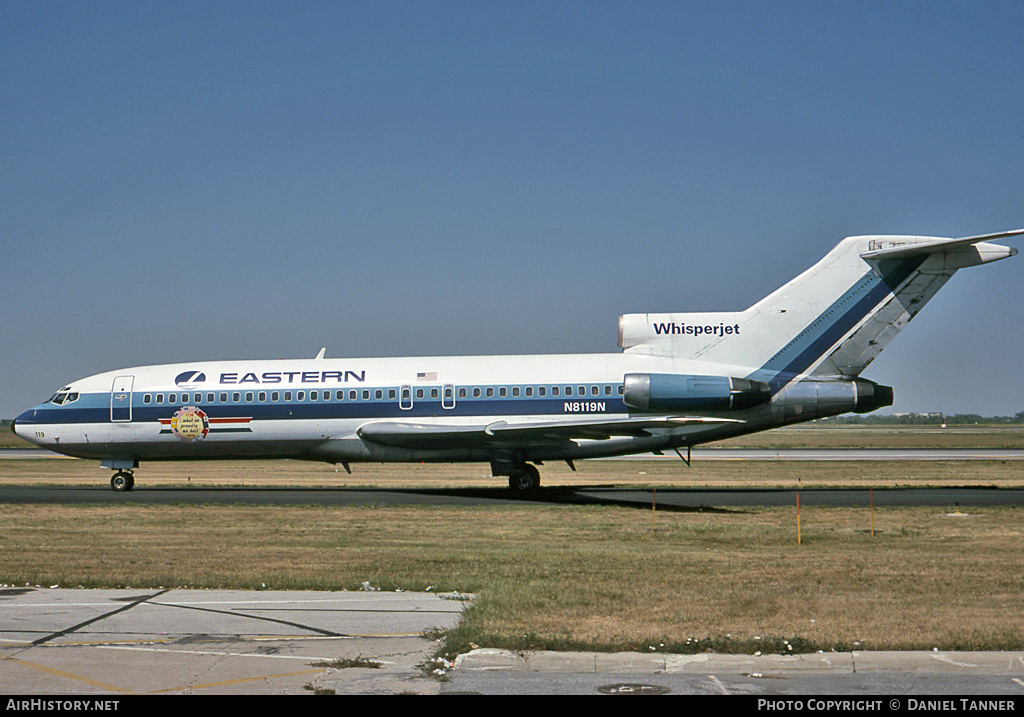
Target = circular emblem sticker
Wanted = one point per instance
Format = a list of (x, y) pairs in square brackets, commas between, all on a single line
[(190, 423)]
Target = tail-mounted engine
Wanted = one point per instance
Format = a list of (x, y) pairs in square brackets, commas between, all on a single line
[(684, 392)]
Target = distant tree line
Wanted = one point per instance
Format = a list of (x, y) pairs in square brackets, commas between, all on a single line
[(923, 419)]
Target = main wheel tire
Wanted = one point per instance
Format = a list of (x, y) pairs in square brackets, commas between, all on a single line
[(524, 480)]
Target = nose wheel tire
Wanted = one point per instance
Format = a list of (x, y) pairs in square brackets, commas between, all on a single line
[(122, 481)]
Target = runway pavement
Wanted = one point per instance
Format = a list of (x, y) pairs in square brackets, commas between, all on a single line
[(668, 499)]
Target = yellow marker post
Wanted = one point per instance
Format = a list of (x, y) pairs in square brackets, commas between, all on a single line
[(798, 519)]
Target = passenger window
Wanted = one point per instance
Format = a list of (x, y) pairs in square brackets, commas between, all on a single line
[(236, 397), (434, 393), (462, 393), (263, 396), (593, 390), (502, 392), (313, 395), (476, 393), (146, 398), (248, 397), (378, 394), (352, 395), (300, 396), (223, 398), (490, 393), (339, 395), (287, 395), (274, 396), (159, 398), (209, 398)]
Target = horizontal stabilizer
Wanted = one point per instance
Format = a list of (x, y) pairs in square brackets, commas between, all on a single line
[(900, 248)]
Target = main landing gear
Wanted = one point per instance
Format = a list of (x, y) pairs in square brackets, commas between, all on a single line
[(524, 477), (122, 481)]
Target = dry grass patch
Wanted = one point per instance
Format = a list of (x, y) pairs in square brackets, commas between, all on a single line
[(582, 577)]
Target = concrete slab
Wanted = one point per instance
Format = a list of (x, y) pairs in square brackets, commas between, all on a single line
[(61, 641)]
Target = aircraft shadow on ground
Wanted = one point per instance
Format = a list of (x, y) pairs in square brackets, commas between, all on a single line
[(574, 495)]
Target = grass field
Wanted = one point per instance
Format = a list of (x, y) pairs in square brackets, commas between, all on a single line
[(580, 577)]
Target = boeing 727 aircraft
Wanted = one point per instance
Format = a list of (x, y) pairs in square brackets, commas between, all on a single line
[(680, 380)]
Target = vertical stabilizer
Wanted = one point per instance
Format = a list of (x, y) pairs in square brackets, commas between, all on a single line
[(831, 320)]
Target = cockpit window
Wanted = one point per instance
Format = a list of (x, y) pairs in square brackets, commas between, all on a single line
[(63, 397)]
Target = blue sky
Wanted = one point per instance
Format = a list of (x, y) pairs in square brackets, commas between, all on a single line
[(185, 181)]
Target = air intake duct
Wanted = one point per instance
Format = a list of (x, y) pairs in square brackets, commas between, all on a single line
[(685, 392)]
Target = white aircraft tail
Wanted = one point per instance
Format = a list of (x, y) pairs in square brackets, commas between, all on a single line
[(831, 321)]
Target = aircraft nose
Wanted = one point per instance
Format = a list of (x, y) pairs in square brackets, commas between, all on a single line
[(22, 425)]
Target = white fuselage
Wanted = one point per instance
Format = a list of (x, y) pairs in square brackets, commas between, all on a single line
[(313, 408)]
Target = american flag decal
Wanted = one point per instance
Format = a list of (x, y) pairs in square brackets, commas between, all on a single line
[(427, 376)]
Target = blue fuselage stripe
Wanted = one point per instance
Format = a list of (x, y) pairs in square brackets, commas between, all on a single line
[(335, 410)]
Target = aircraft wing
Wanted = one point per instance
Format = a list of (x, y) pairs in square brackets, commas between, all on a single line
[(429, 435)]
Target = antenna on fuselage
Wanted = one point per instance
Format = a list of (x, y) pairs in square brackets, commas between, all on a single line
[(321, 354)]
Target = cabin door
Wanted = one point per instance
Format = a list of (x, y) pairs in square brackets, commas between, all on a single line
[(121, 399)]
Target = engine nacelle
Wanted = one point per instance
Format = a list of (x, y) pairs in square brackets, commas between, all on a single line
[(818, 398), (685, 392)]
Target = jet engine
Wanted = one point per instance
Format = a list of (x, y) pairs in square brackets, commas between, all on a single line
[(685, 392)]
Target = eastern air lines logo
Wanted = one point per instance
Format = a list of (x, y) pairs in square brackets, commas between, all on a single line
[(190, 380)]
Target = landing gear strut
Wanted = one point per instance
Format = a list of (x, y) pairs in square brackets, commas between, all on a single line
[(122, 481)]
